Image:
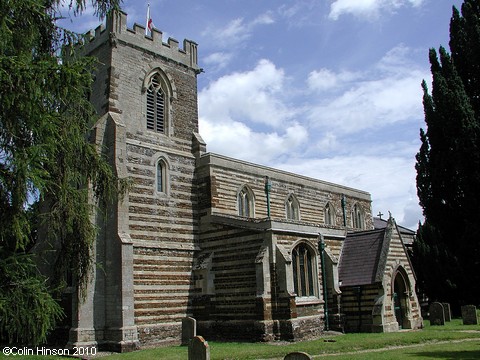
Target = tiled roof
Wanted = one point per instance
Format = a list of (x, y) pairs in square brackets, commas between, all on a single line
[(360, 258)]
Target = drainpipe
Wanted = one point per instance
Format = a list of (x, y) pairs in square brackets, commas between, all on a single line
[(268, 186), (344, 208), (321, 248)]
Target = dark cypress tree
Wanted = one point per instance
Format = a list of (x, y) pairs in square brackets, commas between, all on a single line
[(446, 255)]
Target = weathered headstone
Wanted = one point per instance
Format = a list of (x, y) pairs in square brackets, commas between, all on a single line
[(198, 349), (446, 310), (189, 330), (469, 315), (437, 314), (298, 355)]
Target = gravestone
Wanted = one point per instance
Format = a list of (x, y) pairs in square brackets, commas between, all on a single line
[(446, 310), (189, 330), (298, 355), (437, 314), (469, 315), (198, 349)]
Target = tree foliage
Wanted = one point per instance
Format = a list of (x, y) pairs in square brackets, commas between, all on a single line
[(45, 158), (447, 253)]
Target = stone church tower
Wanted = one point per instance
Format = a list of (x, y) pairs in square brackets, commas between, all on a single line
[(251, 252), (145, 95)]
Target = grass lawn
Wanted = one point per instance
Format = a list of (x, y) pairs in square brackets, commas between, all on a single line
[(463, 342)]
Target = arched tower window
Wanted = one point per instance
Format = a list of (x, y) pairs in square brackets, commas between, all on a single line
[(304, 271), (159, 92), (329, 214), (161, 176), (292, 208), (245, 202), (156, 105), (357, 217)]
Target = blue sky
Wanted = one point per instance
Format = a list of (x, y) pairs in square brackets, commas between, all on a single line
[(328, 89)]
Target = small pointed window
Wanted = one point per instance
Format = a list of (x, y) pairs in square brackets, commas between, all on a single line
[(292, 208), (357, 217), (161, 176), (245, 202), (329, 215), (156, 105)]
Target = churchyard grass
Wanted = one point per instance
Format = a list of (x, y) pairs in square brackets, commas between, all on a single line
[(463, 343), (350, 343)]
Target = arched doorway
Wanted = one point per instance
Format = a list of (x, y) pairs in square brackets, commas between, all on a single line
[(400, 300)]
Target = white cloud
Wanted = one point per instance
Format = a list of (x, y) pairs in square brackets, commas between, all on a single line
[(234, 107), (367, 8), (235, 139), (388, 93), (251, 96), (249, 115), (263, 19), (325, 79), (218, 60), (237, 30)]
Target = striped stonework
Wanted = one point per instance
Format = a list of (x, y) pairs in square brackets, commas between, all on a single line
[(248, 251)]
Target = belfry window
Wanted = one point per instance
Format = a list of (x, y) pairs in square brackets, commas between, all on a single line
[(292, 208), (156, 105), (245, 202), (303, 263)]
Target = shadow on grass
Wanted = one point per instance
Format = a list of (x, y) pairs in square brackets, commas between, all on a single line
[(460, 354)]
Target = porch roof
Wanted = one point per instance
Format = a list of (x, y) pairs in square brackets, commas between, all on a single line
[(361, 258)]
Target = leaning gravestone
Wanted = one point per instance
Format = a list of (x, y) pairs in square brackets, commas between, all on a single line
[(298, 355), (189, 330), (469, 315), (437, 314), (446, 310), (198, 349)]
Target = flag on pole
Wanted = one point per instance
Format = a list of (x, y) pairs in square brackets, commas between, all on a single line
[(149, 25)]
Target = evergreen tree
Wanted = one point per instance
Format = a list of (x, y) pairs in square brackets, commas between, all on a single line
[(45, 158), (447, 253)]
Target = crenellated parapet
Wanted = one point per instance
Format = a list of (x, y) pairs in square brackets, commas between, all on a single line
[(116, 31)]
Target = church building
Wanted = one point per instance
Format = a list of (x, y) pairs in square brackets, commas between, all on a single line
[(250, 252)]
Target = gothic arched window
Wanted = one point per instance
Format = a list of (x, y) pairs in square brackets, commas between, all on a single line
[(292, 208), (156, 105), (303, 266), (245, 202), (357, 217), (161, 176), (329, 214)]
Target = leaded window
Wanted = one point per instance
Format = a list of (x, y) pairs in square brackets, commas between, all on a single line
[(303, 271)]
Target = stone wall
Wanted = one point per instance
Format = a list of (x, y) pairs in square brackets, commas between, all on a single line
[(397, 261), (161, 227), (224, 178), (357, 305)]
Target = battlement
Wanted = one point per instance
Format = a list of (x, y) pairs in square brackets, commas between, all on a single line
[(116, 31)]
